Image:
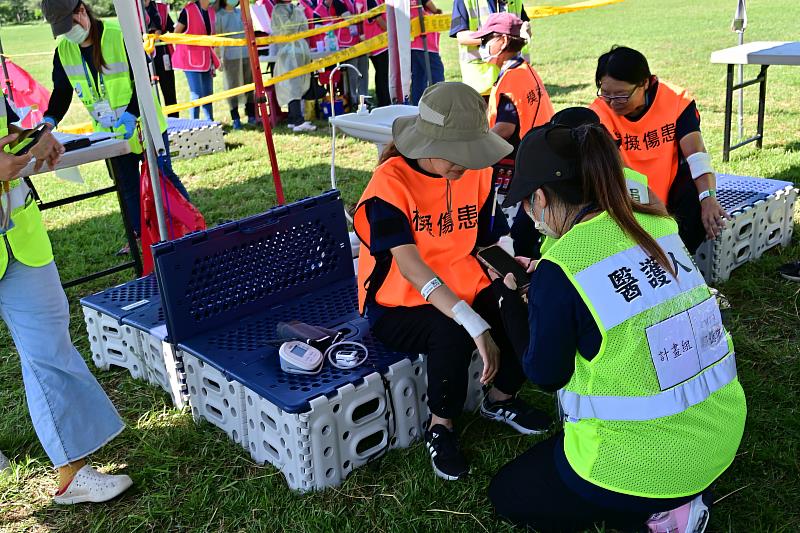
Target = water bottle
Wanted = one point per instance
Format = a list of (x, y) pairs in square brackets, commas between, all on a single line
[(330, 41)]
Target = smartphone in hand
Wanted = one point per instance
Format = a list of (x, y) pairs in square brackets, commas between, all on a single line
[(498, 260), (26, 139)]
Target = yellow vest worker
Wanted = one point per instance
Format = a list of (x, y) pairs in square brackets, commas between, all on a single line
[(620, 322)]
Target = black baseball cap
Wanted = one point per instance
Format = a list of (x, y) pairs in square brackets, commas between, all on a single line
[(59, 14), (547, 154)]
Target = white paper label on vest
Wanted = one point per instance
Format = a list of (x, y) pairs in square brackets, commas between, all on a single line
[(712, 340), (687, 343), (629, 282), (104, 114), (673, 349)]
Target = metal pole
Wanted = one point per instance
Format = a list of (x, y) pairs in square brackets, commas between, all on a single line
[(421, 16), (261, 97), (741, 92), (10, 96)]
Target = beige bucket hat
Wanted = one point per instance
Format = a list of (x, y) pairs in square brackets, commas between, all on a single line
[(451, 125)]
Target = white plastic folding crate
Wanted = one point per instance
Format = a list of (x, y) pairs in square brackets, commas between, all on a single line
[(189, 138), (112, 342)]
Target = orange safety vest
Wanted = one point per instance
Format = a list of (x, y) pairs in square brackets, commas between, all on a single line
[(523, 86), (649, 145), (445, 242)]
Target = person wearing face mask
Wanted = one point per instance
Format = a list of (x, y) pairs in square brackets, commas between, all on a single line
[(620, 322), (658, 127), (425, 210), (91, 62), (288, 18), (199, 63), (71, 414), (235, 61), (468, 16), (517, 103), (159, 22)]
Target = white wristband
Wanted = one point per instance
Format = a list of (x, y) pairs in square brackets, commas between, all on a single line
[(429, 287), (471, 321), (699, 164)]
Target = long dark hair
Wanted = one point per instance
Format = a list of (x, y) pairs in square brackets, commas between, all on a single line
[(603, 184), (96, 36), (623, 64), (389, 152)]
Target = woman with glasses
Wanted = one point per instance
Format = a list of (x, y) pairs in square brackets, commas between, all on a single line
[(658, 128)]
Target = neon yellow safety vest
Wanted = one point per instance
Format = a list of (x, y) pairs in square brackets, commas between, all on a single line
[(637, 186), (27, 238), (115, 82), (474, 71), (659, 411)]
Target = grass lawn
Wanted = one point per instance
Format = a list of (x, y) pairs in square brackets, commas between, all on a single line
[(191, 478)]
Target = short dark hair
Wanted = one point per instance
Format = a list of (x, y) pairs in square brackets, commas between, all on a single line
[(624, 64)]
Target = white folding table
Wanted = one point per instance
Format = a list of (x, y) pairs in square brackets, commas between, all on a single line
[(764, 53)]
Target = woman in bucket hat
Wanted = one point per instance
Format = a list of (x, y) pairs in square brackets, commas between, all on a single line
[(426, 208), (621, 323)]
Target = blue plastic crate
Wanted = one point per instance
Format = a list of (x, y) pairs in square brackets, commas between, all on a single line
[(151, 319), (766, 186), (122, 300), (175, 125), (733, 200), (227, 274)]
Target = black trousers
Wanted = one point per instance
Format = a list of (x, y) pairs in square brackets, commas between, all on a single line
[(531, 492), (380, 63), (166, 79), (683, 203), (449, 347)]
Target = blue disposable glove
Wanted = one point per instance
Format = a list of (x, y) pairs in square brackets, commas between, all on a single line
[(129, 121)]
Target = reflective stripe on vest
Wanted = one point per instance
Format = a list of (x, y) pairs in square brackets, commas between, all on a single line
[(191, 57), (343, 35), (523, 86), (649, 144), (116, 79), (445, 241), (18, 195), (669, 402)]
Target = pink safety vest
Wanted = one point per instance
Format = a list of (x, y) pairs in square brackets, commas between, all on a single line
[(163, 13), (343, 35), (371, 29), (433, 37), (196, 58), (315, 9)]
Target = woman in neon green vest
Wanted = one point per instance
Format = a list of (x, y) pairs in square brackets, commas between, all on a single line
[(620, 322), (91, 62), (71, 414)]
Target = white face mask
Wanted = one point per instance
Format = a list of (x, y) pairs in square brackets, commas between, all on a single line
[(77, 34), (486, 55), (541, 226)]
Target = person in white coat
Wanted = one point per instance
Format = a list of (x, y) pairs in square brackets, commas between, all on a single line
[(288, 18)]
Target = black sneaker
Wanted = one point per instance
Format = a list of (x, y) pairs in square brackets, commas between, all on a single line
[(517, 414), (446, 458), (790, 271)]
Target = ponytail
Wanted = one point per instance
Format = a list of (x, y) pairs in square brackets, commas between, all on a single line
[(603, 182)]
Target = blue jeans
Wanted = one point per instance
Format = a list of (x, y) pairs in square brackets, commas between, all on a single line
[(418, 77), (71, 414), (126, 169), (200, 84)]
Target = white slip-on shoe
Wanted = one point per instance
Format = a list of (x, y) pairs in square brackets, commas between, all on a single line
[(89, 485), (3, 462)]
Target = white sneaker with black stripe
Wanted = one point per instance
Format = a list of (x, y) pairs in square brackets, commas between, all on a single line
[(517, 414), (446, 457)]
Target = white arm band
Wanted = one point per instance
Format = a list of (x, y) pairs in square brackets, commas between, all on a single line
[(429, 287), (699, 164), (465, 316)]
